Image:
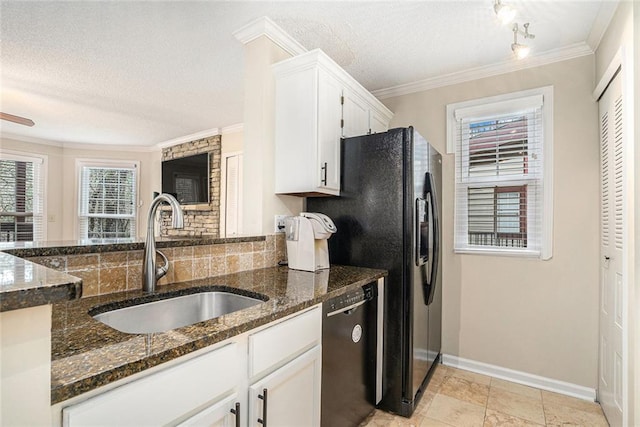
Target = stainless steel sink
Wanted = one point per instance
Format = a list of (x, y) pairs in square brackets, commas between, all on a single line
[(174, 312)]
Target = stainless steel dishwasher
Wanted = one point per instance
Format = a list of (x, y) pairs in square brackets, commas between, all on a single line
[(352, 356)]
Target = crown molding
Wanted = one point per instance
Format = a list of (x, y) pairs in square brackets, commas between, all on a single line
[(77, 145), (238, 127), (188, 138), (109, 147), (266, 27), (549, 57), (30, 139)]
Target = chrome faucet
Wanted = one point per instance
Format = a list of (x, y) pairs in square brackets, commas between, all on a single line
[(150, 273)]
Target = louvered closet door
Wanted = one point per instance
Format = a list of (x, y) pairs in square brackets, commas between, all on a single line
[(611, 248)]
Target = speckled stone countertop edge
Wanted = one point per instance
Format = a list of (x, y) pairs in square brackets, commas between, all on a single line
[(24, 284), (61, 391), (80, 247), (26, 298)]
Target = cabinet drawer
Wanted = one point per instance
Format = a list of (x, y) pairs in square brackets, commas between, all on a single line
[(162, 397), (283, 341)]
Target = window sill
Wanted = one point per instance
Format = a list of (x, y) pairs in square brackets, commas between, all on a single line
[(499, 252)]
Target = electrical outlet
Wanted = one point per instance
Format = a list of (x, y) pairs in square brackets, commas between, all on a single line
[(279, 224)]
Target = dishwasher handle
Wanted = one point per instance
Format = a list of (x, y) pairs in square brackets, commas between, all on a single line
[(347, 308)]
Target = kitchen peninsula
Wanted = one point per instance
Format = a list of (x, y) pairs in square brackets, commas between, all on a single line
[(86, 355)]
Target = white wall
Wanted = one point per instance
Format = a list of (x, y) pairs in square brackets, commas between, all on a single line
[(232, 142), (61, 182), (260, 201), (539, 317)]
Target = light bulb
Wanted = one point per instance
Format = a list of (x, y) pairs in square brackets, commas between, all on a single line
[(505, 13), (520, 50)]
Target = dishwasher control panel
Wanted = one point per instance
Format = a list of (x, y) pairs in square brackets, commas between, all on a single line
[(365, 293)]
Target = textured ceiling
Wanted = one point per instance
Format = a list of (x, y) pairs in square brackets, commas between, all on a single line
[(141, 73)]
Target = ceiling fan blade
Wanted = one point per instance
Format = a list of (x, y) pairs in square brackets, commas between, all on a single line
[(16, 119)]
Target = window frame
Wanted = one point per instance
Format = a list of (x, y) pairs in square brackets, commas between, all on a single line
[(43, 160), (495, 106), (107, 164)]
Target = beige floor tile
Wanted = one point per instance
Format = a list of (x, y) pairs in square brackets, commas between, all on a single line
[(394, 421), (557, 415), (494, 418), (455, 412), (471, 376), (571, 402), (516, 405), (523, 390), (430, 422), (425, 402), (468, 391), (442, 371)]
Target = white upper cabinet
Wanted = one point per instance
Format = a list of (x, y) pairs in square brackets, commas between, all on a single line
[(355, 114), (317, 104)]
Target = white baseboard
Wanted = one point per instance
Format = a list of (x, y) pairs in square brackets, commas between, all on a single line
[(519, 377)]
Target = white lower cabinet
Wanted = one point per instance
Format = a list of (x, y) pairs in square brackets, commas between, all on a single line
[(283, 357), (227, 413), (290, 396)]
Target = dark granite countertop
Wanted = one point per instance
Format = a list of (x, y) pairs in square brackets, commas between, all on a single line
[(25, 284), (87, 354)]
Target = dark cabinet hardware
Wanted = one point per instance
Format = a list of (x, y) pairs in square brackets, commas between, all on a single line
[(263, 396), (324, 174), (236, 411)]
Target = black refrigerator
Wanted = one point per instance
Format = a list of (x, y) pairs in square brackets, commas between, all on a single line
[(388, 216)]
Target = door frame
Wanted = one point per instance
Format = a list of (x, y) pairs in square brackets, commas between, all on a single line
[(623, 61), (222, 225)]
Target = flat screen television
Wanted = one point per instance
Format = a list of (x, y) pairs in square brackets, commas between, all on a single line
[(187, 178)]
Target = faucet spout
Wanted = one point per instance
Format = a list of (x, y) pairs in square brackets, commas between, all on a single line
[(150, 273)]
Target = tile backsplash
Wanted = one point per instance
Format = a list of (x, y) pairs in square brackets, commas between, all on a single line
[(107, 272)]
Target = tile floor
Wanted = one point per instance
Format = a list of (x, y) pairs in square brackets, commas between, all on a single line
[(461, 398)]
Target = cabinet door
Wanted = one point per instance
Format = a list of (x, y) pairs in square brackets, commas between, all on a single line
[(293, 394), (355, 113), (329, 116), (377, 122), (217, 415)]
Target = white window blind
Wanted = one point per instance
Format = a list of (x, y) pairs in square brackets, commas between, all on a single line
[(21, 198), (107, 201), (500, 177)]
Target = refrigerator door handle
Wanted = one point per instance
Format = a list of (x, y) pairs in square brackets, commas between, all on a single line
[(432, 199), (422, 232)]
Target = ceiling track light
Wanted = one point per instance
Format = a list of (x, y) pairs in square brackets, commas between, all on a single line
[(505, 13), (521, 50)]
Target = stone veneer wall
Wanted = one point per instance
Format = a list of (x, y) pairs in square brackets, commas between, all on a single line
[(108, 272), (203, 220)]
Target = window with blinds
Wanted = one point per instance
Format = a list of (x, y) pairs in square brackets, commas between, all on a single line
[(21, 198), (501, 165), (107, 202)]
